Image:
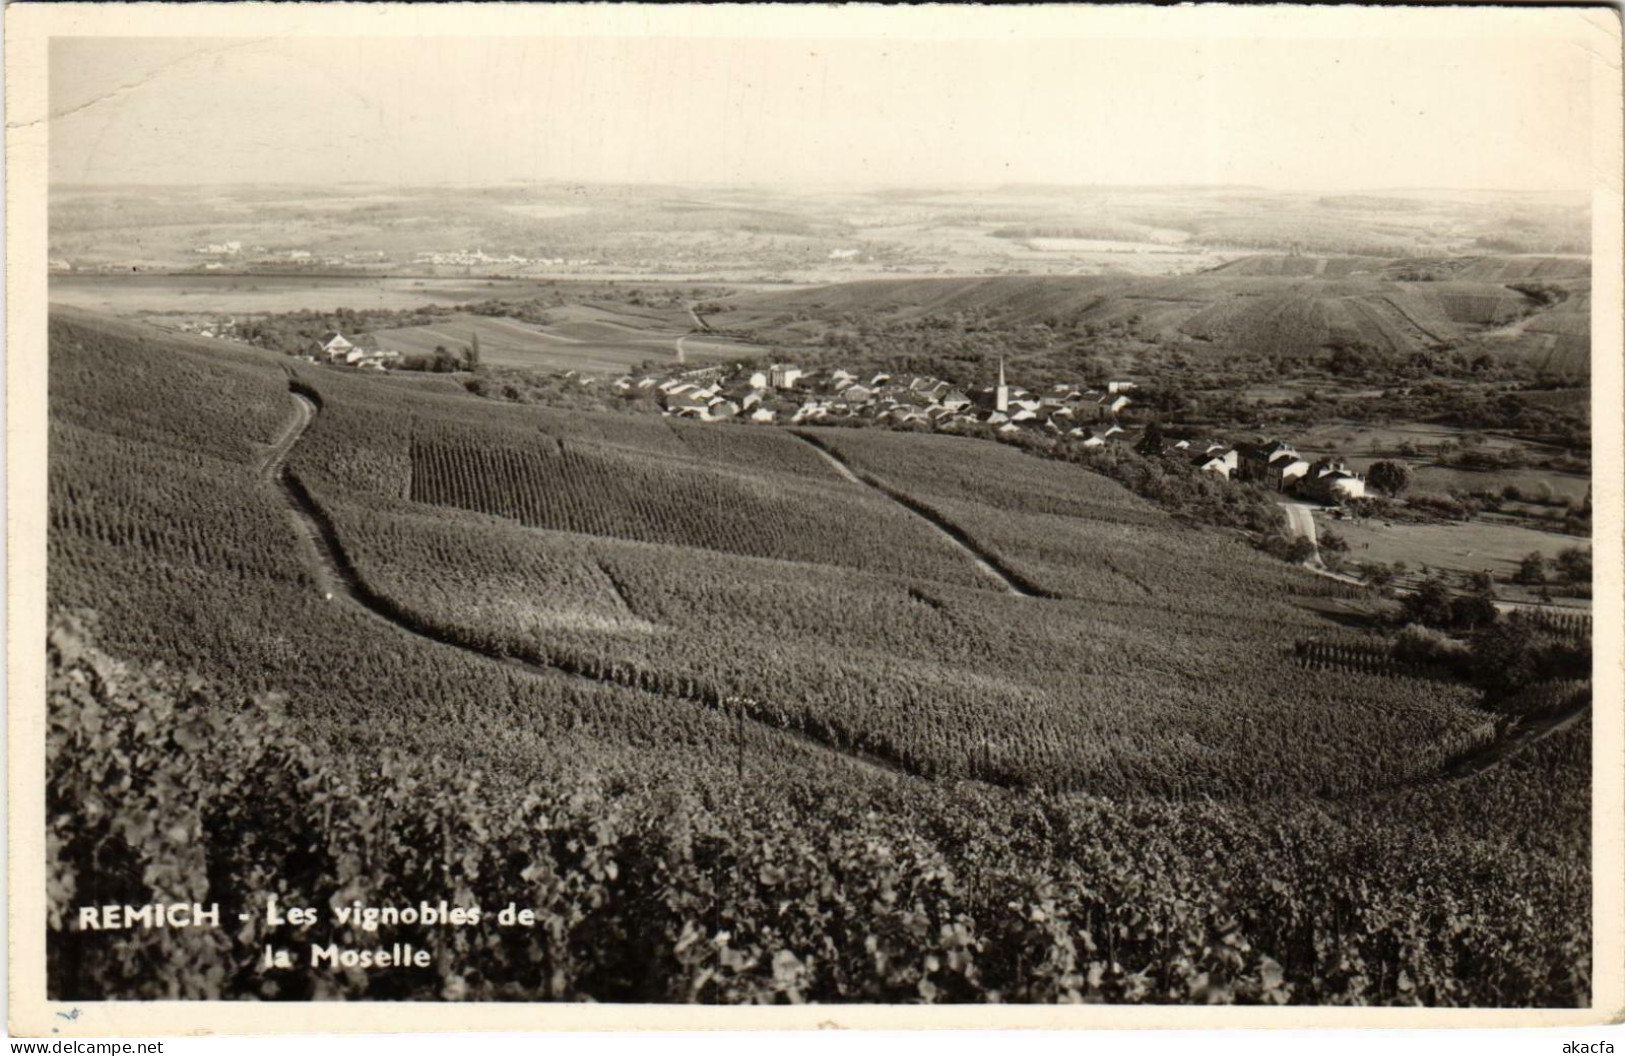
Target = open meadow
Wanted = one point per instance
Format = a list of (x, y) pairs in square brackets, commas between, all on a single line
[(605, 337), (1474, 546), (586, 339)]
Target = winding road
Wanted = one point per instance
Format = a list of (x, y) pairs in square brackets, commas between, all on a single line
[(1302, 523)]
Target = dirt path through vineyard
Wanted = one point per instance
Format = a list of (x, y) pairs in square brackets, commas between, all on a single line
[(340, 583), (1521, 736), (988, 563)]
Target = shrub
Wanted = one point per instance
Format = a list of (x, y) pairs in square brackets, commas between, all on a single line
[(1390, 478), (1424, 646), (1532, 569)]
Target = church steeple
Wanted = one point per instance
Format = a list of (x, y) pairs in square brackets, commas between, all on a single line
[(1001, 395)]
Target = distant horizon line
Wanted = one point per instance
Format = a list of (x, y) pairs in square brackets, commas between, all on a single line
[(923, 188)]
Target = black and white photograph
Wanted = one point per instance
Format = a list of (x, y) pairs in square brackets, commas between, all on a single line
[(838, 507)]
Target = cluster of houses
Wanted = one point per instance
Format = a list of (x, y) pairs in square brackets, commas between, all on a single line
[(1278, 466), (786, 394), (220, 249), (338, 350), (478, 257), (234, 255), (219, 326)]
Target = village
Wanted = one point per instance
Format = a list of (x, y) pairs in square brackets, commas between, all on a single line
[(787, 394)]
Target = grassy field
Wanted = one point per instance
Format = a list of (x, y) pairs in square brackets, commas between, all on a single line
[(1361, 445), (605, 342), (1355, 440), (595, 338), (1475, 546), (1568, 486)]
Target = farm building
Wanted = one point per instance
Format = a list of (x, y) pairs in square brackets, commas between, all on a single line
[(1110, 406), (689, 403), (1275, 464), (1284, 472), (1331, 481), (1221, 461), (784, 376), (334, 348)]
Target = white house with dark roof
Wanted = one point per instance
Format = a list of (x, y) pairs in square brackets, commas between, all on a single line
[(1331, 481)]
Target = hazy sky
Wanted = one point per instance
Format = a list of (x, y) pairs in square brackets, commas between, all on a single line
[(1315, 114)]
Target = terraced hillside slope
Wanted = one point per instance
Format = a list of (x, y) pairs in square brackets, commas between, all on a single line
[(1295, 307), (665, 681)]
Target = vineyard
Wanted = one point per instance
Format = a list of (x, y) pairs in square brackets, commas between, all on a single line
[(1113, 704), (897, 657), (1072, 532), (684, 677), (657, 879), (576, 488)]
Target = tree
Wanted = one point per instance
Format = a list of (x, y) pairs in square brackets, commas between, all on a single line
[(1532, 569), (1430, 605), (1575, 564), (1473, 611), (472, 353), (1378, 575), (1515, 653), (1390, 478)]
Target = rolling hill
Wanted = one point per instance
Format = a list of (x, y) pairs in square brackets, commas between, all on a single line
[(600, 665)]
